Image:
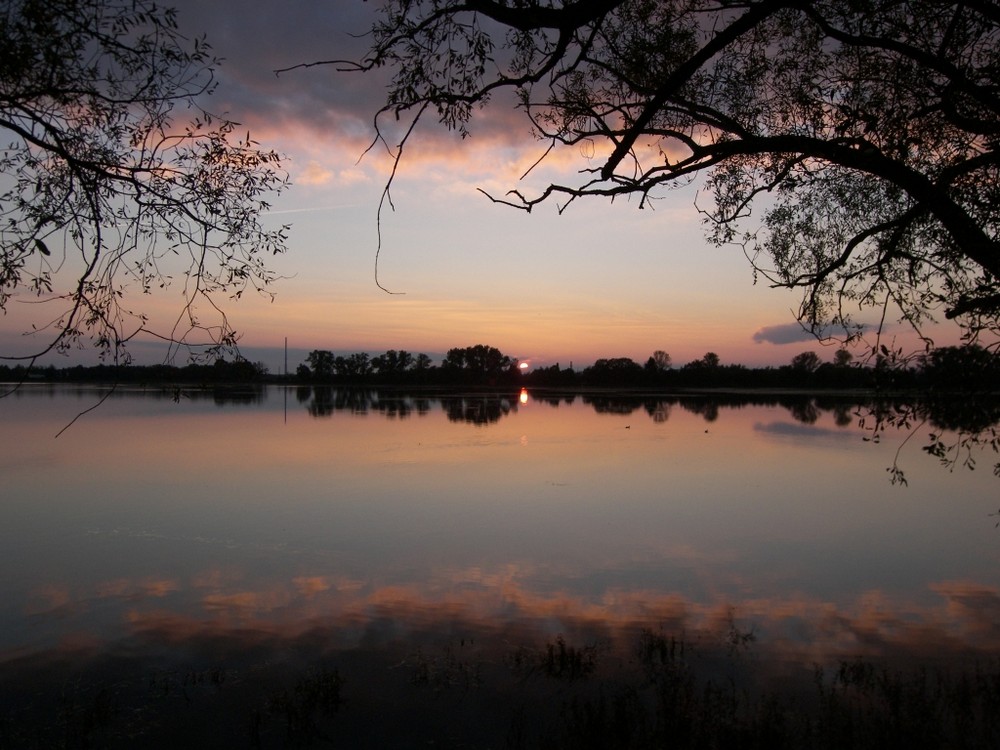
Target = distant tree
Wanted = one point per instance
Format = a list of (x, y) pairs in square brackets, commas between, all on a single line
[(386, 364), (108, 193), (842, 358), (969, 368), (479, 363), (454, 359), (806, 362), (552, 376), (321, 364), (393, 365), (657, 364), (616, 364), (706, 371), (353, 367), (870, 128), (661, 359), (239, 370), (422, 362), (360, 363), (614, 371)]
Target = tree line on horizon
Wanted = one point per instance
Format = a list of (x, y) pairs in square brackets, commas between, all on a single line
[(970, 367), (966, 368)]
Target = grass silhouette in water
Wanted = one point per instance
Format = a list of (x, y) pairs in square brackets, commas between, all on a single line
[(652, 690)]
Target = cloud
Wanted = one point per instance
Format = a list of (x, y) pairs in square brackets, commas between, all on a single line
[(314, 174), (787, 333), (325, 117), (791, 333)]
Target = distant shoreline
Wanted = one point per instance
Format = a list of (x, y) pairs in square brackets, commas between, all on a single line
[(625, 391)]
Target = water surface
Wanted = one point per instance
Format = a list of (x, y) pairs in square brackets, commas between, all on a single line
[(380, 542)]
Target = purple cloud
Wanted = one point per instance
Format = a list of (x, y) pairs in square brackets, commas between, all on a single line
[(787, 333)]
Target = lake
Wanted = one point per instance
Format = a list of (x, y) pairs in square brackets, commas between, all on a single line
[(299, 567)]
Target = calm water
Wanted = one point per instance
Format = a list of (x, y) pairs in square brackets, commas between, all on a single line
[(412, 560)]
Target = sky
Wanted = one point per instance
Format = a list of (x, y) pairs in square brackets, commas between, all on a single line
[(599, 280)]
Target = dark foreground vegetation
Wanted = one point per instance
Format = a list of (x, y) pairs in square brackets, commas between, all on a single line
[(495, 690), (945, 369)]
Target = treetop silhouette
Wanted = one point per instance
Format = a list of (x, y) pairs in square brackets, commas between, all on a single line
[(862, 135), (118, 183)]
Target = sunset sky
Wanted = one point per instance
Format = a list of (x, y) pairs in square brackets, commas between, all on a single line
[(600, 280)]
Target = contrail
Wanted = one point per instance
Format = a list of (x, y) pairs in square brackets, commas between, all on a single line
[(310, 210)]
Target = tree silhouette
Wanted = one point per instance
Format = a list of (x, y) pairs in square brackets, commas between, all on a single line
[(392, 363), (661, 360), (969, 368), (106, 192), (479, 364), (613, 371), (352, 367), (871, 128), (842, 358), (806, 362), (321, 364)]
